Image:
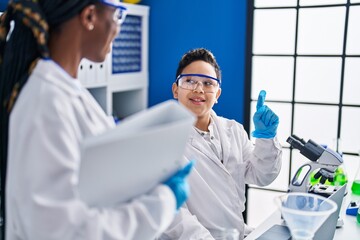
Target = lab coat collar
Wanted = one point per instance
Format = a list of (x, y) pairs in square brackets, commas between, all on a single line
[(197, 139), (49, 70), (224, 132), (197, 142)]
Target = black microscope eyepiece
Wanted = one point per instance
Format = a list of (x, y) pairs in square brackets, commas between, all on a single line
[(309, 149)]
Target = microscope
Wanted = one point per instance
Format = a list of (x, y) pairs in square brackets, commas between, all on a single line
[(327, 161), (324, 159)]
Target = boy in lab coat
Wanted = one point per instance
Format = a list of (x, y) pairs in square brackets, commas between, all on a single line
[(226, 159)]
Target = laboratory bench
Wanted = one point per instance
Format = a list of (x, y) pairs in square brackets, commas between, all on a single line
[(350, 229)]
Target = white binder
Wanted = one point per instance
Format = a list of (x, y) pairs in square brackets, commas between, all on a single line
[(130, 160)]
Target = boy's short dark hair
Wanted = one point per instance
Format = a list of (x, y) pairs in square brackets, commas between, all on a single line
[(197, 54)]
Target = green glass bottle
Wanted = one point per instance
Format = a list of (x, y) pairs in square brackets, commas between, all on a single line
[(340, 178), (355, 187)]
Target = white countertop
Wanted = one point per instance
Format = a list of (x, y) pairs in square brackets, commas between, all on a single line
[(350, 229)]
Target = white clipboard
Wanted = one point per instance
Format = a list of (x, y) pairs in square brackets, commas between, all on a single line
[(130, 160)]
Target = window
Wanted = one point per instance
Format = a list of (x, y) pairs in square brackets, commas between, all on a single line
[(306, 55)]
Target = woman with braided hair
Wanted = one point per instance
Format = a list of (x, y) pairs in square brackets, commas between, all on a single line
[(45, 114)]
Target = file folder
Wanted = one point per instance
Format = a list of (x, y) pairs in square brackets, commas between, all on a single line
[(134, 157)]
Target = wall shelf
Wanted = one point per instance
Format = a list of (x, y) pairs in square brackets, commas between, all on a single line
[(120, 83)]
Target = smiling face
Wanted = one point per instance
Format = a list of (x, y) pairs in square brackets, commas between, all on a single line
[(197, 101)]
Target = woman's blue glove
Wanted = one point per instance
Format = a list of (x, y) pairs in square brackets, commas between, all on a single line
[(265, 120), (179, 185)]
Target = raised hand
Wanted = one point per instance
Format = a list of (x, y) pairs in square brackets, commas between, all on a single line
[(265, 120)]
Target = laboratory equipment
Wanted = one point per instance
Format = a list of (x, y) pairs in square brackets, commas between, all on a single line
[(327, 163), (355, 187), (280, 231), (304, 213), (324, 159), (352, 208), (340, 178)]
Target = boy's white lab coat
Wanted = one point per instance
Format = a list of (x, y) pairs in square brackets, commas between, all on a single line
[(217, 189), (50, 118)]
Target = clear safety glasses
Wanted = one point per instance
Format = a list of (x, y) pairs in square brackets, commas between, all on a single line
[(120, 15), (192, 81), (121, 11)]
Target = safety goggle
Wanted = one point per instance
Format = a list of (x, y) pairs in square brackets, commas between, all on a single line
[(121, 11), (120, 15), (192, 81)]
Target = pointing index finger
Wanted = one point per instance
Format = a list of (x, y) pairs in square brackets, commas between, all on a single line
[(187, 169), (261, 99)]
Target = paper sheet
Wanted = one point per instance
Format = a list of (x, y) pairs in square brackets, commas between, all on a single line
[(130, 160)]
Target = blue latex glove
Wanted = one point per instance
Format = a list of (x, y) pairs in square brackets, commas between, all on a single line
[(265, 120), (179, 185)]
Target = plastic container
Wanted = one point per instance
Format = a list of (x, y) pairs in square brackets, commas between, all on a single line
[(304, 213)]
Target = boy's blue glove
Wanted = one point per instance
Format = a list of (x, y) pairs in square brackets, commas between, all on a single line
[(265, 120), (179, 185)]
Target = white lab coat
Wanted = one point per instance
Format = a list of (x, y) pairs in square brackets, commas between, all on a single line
[(217, 197), (50, 118)]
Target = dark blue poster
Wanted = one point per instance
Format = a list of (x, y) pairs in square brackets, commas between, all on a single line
[(3, 4)]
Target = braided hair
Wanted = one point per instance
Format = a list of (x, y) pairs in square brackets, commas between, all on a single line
[(24, 35)]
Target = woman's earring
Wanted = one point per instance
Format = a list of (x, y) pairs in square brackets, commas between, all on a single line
[(91, 27), (216, 101)]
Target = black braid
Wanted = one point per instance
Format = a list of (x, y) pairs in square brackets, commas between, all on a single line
[(19, 51)]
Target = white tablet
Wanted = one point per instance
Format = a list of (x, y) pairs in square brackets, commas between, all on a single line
[(130, 160)]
